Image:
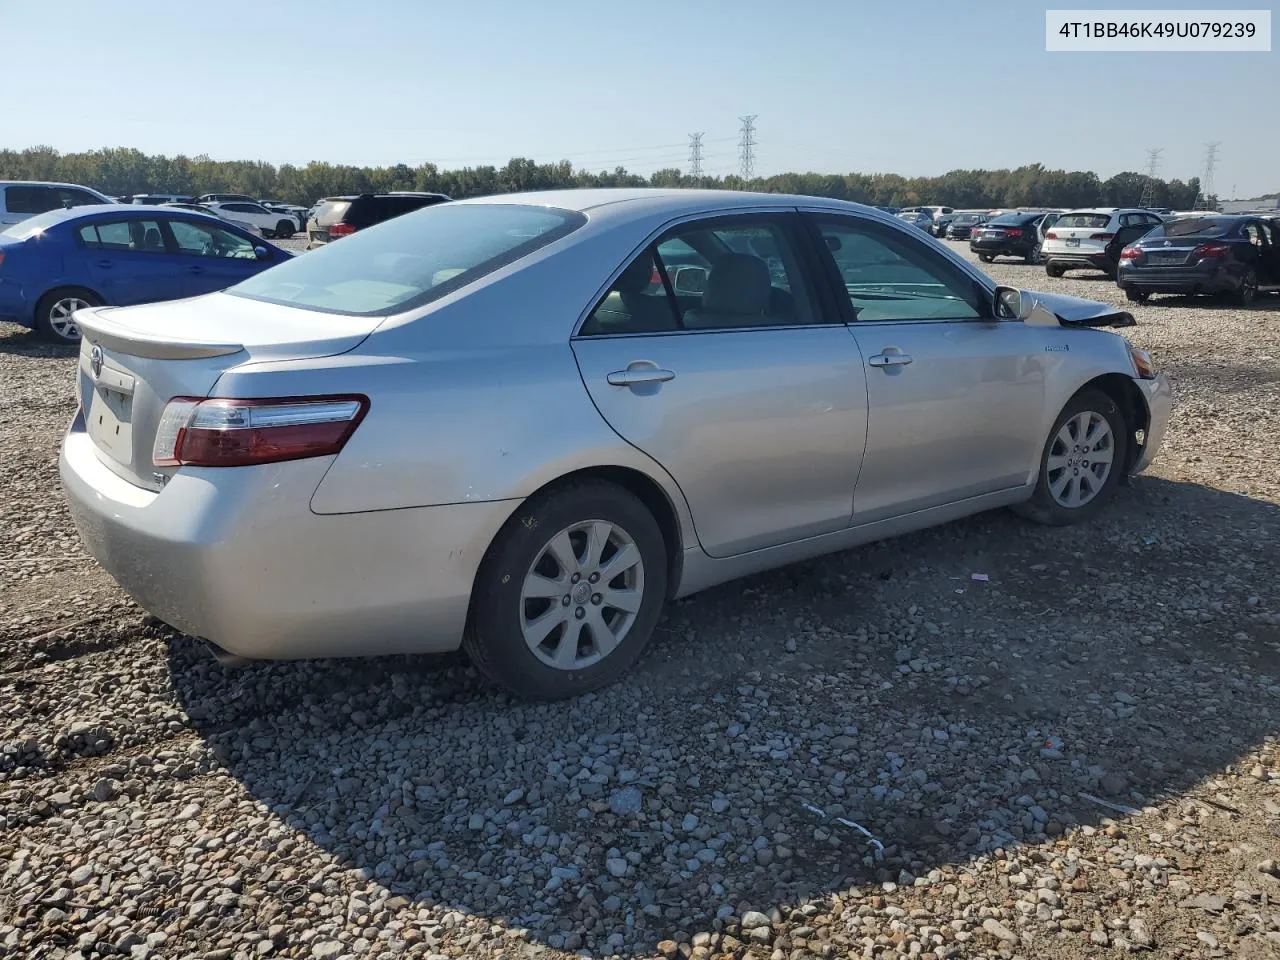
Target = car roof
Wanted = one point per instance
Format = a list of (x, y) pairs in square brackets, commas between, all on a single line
[(121, 209), (46, 183), (626, 203)]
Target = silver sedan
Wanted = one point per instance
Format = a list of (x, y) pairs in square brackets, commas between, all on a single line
[(521, 424)]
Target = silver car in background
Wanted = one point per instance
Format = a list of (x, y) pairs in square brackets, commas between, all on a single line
[(499, 423)]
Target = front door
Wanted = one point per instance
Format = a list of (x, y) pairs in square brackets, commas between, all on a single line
[(127, 261), (955, 397), (749, 393)]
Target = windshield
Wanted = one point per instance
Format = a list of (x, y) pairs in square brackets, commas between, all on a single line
[(1191, 227), (33, 225), (410, 260), (967, 218), (1091, 220)]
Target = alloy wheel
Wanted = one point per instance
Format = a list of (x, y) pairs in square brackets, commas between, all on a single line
[(1080, 459), (61, 317), (581, 595)]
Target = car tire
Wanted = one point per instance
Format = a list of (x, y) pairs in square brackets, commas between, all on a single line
[(1245, 294), (1033, 256), (1054, 269), (285, 229), (520, 623), (1137, 295), (1062, 495), (53, 313), (985, 257)]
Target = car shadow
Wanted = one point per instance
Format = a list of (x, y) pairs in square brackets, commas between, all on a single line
[(19, 341), (980, 685)]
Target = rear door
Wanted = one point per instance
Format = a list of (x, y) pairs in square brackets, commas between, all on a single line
[(955, 397), (750, 393), (128, 262), (1270, 272), (209, 257)]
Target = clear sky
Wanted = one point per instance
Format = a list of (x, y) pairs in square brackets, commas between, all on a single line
[(906, 86)]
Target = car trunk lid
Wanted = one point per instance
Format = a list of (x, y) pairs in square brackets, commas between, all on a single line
[(134, 360)]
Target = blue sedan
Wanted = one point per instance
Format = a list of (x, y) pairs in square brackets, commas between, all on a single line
[(59, 262)]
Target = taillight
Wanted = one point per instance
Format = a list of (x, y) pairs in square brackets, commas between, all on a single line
[(237, 433), (341, 230), (1130, 253), (1102, 236), (1051, 235), (1013, 231), (1210, 251)]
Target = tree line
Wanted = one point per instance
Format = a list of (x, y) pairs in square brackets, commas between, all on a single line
[(120, 171)]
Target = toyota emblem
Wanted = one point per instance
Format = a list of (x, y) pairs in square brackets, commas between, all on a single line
[(95, 361)]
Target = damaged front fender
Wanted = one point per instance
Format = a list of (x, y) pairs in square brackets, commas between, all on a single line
[(1056, 310)]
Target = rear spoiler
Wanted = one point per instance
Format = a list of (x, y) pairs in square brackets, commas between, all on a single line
[(99, 329)]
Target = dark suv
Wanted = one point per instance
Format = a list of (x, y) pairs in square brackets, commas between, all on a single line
[(335, 217)]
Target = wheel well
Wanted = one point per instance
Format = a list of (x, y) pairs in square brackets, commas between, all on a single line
[(648, 492), (1133, 408)]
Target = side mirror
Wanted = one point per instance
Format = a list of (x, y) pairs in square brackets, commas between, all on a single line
[(1012, 305), (262, 253)]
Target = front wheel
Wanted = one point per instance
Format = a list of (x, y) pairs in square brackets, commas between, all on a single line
[(55, 313), (1248, 289), (1054, 269), (285, 229), (1033, 255), (985, 257), (569, 593), (1082, 462)]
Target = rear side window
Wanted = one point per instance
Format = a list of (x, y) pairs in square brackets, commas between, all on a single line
[(31, 200), (1084, 220), (136, 235), (409, 261)]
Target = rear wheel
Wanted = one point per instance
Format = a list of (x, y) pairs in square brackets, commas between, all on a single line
[(1137, 295), (1248, 289), (1033, 256), (54, 313), (1082, 462), (570, 592), (285, 229), (1054, 269)]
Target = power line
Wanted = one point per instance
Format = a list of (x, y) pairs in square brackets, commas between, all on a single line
[(1206, 182), (1149, 187), (746, 144), (695, 155)]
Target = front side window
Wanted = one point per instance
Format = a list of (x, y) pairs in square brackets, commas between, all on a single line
[(409, 261), (138, 236), (206, 240), (891, 277), (722, 274)]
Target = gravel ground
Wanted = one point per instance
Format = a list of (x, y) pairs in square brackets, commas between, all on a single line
[(1074, 758)]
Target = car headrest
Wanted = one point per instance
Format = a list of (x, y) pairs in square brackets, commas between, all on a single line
[(737, 283), (637, 277)]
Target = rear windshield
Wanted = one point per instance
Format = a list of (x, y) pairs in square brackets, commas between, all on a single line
[(331, 211), (411, 260), (1084, 220), (967, 218), (1010, 220), (1191, 227), (33, 225)]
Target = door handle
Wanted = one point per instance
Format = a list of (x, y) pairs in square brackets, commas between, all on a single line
[(636, 374), (889, 360)]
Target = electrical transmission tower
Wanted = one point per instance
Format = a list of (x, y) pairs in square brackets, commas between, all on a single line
[(695, 156), (746, 147), (1206, 182), (1149, 188)]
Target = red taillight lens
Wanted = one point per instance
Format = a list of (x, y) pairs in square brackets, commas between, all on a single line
[(341, 230), (1130, 253), (239, 433), (1013, 231), (1051, 235), (1102, 236), (1210, 251)]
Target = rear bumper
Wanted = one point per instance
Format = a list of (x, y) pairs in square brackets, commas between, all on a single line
[(15, 306), (236, 556), (1008, 248), (1180, 279), (1159, 396), (1092, 261)]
